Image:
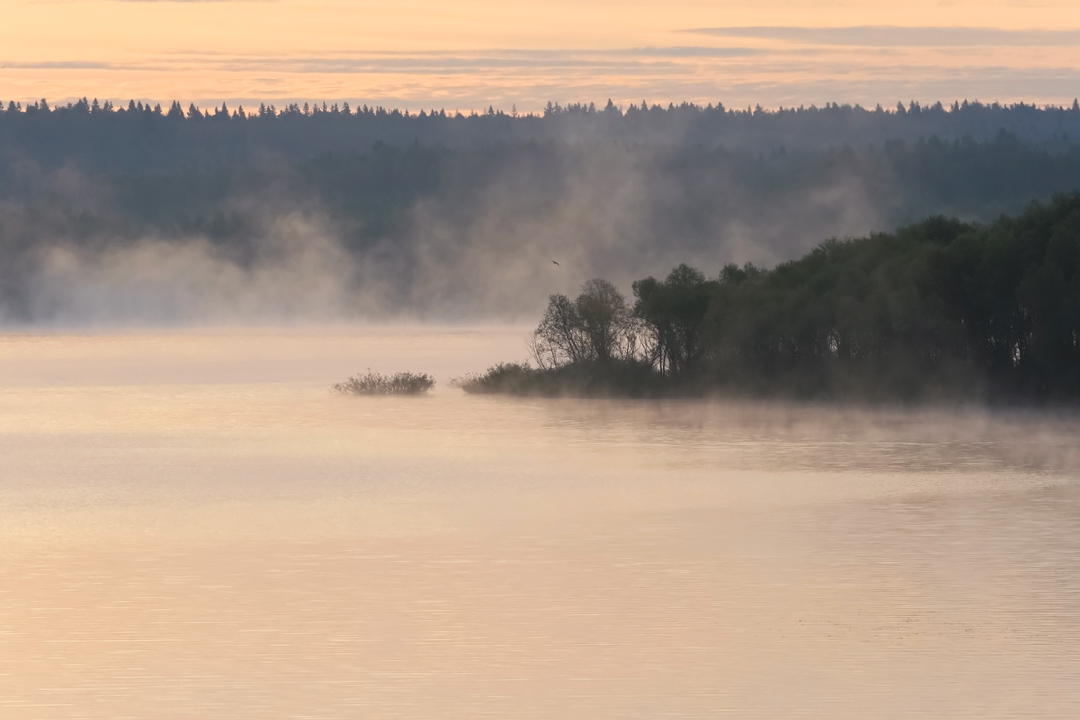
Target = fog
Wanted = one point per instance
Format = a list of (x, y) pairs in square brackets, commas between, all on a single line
[(131, 218), (471, 250)]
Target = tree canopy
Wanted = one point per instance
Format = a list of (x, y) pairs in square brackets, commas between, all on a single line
[(941, 309), (141, 135)]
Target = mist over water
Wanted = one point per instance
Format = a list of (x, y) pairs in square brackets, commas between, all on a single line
[(299, 273), (463, 234), (191, 525), (479, 254)]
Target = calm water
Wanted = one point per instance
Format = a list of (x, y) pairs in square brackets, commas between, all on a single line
[(192, 526)]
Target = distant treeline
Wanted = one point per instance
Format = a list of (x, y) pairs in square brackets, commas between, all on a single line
[(99, 135), (939, 310), (469, 232), (166, 214)]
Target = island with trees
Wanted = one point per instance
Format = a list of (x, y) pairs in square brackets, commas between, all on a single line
[(938, 310)]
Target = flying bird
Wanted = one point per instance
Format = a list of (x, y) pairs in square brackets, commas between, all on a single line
[(555, 263)]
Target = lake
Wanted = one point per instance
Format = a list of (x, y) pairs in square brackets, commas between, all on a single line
[(193, 526)]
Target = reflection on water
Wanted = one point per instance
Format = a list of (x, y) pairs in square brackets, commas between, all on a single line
[(191, 526)]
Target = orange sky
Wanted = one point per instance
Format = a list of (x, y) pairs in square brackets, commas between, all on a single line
[(470, 53)]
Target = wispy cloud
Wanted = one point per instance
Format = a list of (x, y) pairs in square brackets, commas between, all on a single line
[(603, 61), (61, 65), (181, 1), (158, 2), (898, 36), (684, 52)]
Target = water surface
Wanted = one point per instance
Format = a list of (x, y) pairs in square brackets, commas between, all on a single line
[(192, 526)]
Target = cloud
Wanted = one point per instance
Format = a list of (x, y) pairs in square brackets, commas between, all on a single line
[(184, 1), (606, 61), (683, 52), (629, 60), (897, 36), (61, 65), (61, 2)]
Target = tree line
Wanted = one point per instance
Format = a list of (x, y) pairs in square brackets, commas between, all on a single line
[(100, 135), (84, 107), (414, 201), (941, 309)]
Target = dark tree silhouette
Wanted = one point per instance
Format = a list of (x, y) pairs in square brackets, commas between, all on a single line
[(938, 310)]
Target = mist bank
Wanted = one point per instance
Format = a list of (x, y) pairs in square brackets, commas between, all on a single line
[(425, 233), (939, 310)]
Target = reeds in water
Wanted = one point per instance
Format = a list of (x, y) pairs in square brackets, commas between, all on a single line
[(372, 383)]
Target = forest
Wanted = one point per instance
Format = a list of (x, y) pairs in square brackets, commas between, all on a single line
[(938, 310), (136, 136), (147, 215)]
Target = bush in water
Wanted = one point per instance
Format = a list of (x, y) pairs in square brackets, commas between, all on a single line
[(371, 383)]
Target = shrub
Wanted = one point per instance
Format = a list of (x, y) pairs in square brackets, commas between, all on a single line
[(511, 378), (614, 378), (402, 383)]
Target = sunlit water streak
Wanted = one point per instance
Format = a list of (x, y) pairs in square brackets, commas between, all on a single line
[(192, 526)]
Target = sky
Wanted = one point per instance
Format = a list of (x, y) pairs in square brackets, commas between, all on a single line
[(469, 54)]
